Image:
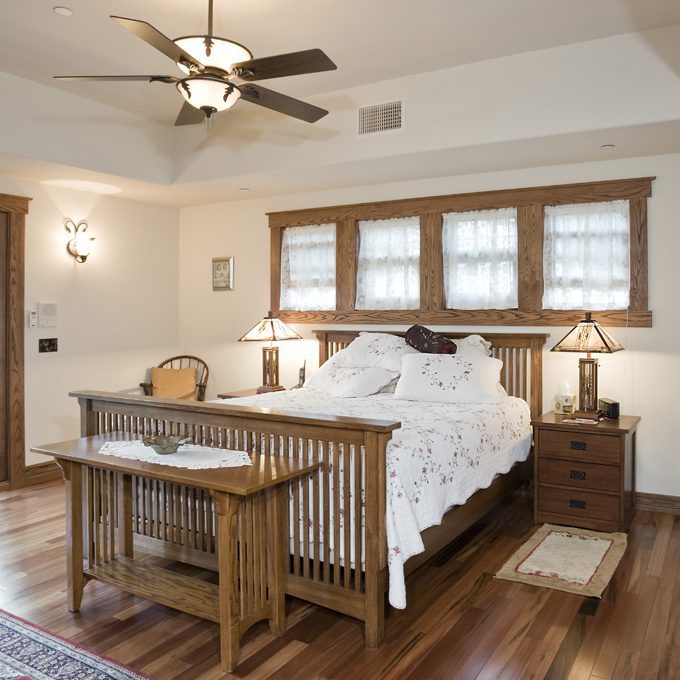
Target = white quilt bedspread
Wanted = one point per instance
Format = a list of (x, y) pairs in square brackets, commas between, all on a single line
[(439, 457)]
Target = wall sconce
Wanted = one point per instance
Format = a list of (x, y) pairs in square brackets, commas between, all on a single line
[(80, 244)]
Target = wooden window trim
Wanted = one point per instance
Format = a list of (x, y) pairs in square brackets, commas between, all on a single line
[(530, 203)]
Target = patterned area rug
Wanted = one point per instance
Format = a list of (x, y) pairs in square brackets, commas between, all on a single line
[(564, 558), (30, 653)]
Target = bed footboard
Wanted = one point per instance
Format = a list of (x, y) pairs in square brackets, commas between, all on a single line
[(333, 527)]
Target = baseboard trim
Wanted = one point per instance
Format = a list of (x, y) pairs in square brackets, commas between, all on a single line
[(654, 502), (41, 473)]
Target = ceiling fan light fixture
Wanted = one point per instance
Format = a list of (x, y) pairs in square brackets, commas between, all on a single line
[(209, 93), (213, 52)]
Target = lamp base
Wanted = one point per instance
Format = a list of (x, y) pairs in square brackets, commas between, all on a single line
[(270, 388)]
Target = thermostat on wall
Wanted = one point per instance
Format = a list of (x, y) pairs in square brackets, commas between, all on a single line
[(47, 315)]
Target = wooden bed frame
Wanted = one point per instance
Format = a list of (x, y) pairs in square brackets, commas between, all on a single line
[(177, 522)]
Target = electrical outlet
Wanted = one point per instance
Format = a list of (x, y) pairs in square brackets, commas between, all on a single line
[(48, 344)]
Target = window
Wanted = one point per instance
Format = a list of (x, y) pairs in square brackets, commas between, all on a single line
[(480, 259), (388, 268), (308, 267), (586, 263), (533, 256)]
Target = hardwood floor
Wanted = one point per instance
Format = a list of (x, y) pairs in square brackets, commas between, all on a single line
[(461, 622)]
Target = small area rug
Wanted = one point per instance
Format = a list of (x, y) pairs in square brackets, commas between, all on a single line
[(564, 558), (30, 653)]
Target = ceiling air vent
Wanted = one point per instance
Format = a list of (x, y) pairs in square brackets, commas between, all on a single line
[(380, 117)]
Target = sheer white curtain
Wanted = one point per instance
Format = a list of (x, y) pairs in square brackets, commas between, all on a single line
[(388, 271), (308, 267), (586, 256), (480, 259)]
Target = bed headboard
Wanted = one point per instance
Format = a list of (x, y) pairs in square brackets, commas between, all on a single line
[(521, 354)]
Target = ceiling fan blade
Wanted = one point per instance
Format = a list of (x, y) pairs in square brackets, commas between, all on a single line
[(292, 64), (189, 115), (161, 42), (281, 103), (150, 79)]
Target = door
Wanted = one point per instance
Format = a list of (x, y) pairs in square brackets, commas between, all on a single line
[(13, 211), (4, 327)]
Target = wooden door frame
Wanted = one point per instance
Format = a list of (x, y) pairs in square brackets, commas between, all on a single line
[(16, 208)]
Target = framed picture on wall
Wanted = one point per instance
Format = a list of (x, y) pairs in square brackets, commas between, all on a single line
[(223, 273)]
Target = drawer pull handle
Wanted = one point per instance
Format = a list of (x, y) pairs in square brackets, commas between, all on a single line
[(578, 446), (577, 474), (573, 503)]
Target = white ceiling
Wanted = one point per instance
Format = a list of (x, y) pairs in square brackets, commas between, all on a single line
[(370, 40)]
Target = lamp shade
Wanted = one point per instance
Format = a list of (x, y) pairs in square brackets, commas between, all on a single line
[(213, 52), (270, 329), (587, 336), (208, 93)]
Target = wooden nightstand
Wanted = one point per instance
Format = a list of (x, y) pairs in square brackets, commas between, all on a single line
[(238, 393), (584, 474)]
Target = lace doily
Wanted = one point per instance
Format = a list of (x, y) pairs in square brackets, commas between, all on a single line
[(188, 455)]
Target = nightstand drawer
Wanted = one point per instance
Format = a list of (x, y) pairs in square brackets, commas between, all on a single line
[(579, 475), (578, 503), (577, 445)]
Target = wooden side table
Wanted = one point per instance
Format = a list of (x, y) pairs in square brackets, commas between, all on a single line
[(250, 511), (237, 393), (584, 474)]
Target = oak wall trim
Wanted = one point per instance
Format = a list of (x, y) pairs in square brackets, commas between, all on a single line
[(42, 473), (530, 203), (654, 502), (16, 209), (469, 317)]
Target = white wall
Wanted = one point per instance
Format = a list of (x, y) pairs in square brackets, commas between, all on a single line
[(643, 378), (117, 312)]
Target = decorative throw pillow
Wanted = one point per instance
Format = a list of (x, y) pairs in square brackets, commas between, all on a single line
[(375, 349), (473, 344), (174, 383), (347, 381), (427, 341), (452, 378)]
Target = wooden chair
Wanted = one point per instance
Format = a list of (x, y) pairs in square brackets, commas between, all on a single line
[(184, 361)]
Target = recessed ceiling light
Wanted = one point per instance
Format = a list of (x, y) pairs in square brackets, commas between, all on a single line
[(62, 11), (607, 147)]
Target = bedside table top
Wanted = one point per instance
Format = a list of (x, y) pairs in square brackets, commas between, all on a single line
[(553, 420), (238, 393)]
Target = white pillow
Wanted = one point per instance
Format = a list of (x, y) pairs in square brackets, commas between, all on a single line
[(348, 381), (376, 349), (453, 378), (473, 344)]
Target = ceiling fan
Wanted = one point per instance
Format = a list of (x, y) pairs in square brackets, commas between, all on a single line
[(211, 64)]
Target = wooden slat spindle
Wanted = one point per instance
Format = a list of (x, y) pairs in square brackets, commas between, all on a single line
[(325, 511), (96, 501), (242, 560), (336, 513), (346, 512), (104, 514), (305, 490), (296, 513), (185, 515), (90, 532), (315, 517), (358, 533)]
